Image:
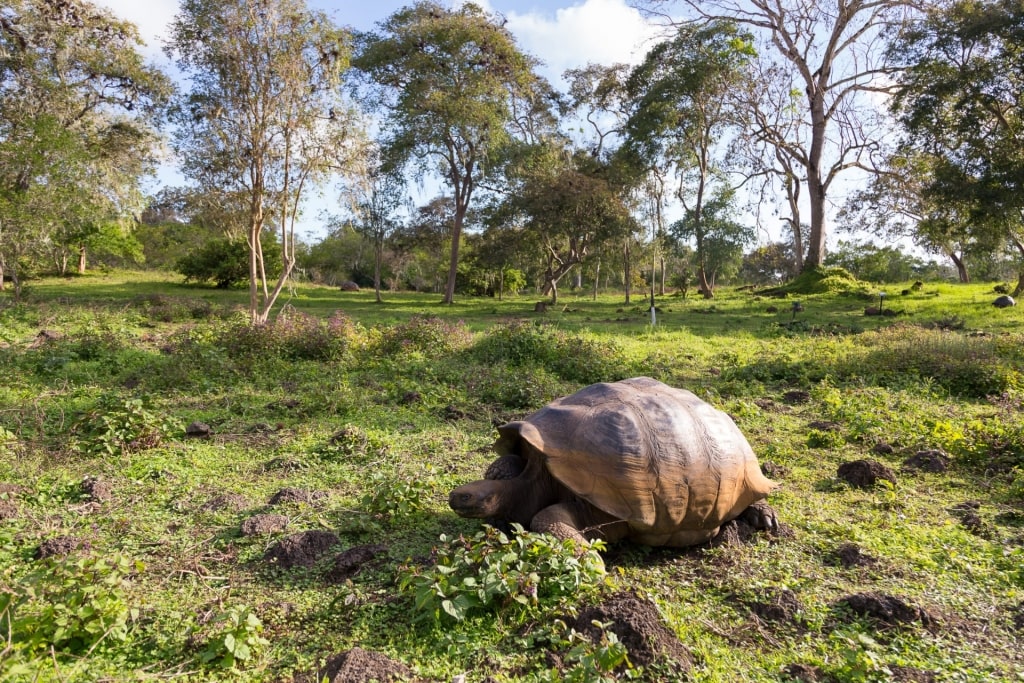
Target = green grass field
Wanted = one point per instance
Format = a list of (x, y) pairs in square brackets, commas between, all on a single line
[(128, 550)]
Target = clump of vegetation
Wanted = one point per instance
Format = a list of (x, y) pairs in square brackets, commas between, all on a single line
[(292, 335), (121, 425), (395, 496), (831, 280), (571, 356), (70, 604), (491, 572), (225, 262), (432, 336), (237, 638)]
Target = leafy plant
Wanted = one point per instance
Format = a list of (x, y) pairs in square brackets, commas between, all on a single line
[(237, 639), (71, 604), (119, 425), (397, 497), (492, 571), (429, 335)]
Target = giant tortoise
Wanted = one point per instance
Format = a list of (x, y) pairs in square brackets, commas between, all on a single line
[(635, 459)]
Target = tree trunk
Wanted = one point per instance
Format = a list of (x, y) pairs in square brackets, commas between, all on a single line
[(815, 184), (597, 277), (378, 256), (1, 274), (705, 287), (1020, 274), (961, 268), (661, 287), (81, 259), (453, 262), (627, 271), (501, 283)]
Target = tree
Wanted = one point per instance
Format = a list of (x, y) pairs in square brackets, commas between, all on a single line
[(960, 101), (77, 110), (446, 82), (722, 238), (564, 207), (683, 110), (263, 118), (768, 265), (833, 54), (376, 198)]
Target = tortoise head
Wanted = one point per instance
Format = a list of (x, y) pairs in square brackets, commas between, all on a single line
[(481, 499)]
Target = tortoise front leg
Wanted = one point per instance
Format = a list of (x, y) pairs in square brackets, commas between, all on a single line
[(579, 521), (761, 516)]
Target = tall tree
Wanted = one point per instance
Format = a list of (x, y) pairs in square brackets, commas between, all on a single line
[(263, 117), (961, 101), (375, 199), (447, 80), (77, 110), (683, 112), (834, 53)]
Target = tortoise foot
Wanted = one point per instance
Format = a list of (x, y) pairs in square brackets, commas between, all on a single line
[(761, 516)]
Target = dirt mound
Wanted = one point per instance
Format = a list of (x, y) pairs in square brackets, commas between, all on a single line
[(8, 510), (61, 546), (886, 610), (782, 607), (348, 563), (927, 461), (361, 666), (227, 501), (300, 550), (850, 555), (261, 525), (97, 490), (864, 474), (293, 495), (639, 627)]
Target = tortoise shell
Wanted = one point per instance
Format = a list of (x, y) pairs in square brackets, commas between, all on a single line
[(644, 452)]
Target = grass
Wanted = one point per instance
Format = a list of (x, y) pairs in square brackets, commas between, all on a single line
[(386, 407)]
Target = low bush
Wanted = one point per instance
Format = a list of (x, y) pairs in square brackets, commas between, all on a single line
[(434, 337)]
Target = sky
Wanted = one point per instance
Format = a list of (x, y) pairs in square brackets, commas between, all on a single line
[(563, 34)]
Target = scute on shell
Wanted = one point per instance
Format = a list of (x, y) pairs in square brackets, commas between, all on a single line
[(653, 455)]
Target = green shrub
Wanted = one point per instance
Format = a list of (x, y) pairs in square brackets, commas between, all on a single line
[(429, 335), (292, 335), (395, 496), (491, 572), (573, 357), (70, 604), (121, 425), (226, 262), (237, 638)]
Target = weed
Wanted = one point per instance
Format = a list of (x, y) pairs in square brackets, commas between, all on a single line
[(119, 425), (432, 336), (492, 572), (71, 604), (395, 497), (237, 638)]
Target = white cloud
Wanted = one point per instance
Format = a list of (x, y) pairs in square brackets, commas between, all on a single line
[(599, 31), (153, 17)]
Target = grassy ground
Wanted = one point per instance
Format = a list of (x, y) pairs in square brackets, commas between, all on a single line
[(368, 417)]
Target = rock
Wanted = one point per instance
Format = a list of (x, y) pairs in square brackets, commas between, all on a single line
[(261, 525), (198, 430), (301, 550), (348, 286), (865, 474)]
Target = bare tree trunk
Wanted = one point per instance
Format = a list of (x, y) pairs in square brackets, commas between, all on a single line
[(961, 267), (1, 273), (626, 269), (597, 277), (661, 290), (378, 256), (81, 259), (501, 284)]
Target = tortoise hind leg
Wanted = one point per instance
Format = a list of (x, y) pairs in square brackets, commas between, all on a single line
[(761, 516)]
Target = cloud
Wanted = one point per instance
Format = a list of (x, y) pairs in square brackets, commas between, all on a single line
[(153, 18), (599, 31)]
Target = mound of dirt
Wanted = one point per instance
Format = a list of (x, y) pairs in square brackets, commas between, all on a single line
[(639, 627), (886, 610), (850, 555), (61, 546), (261, 525), (8, 510), (97, 490), (293, 495), (348, 563), (301, 550), (227, 501), (782, 607), (361, 666), (927, 461), (864, 474)]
